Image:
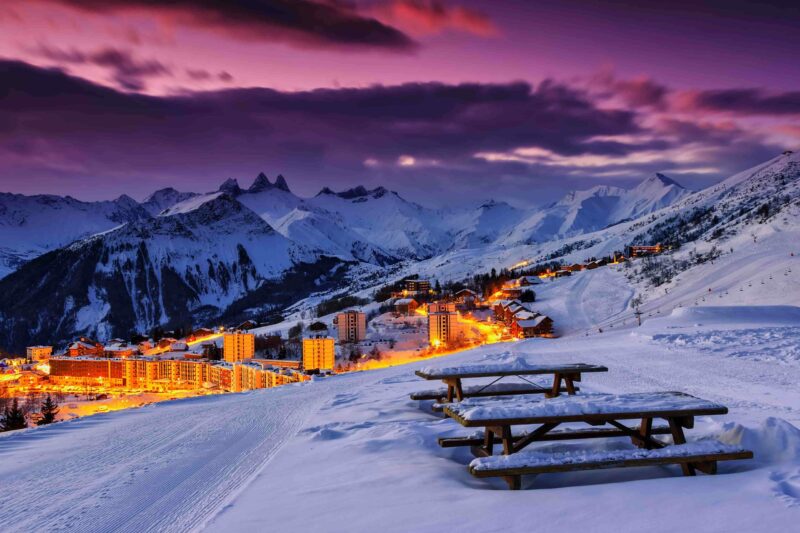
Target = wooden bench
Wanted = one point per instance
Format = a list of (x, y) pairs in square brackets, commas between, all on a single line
[(564, 379), (498, 416), (513, 467)]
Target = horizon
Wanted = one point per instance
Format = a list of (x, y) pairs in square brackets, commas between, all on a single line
[(436, 100), (245, 188)]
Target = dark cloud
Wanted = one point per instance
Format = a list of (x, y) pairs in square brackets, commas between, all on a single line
[(127, 72), (636, 92), (299, 22), (425, 133), (744, 101)]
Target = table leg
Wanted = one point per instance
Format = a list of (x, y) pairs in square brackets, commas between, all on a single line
[(459, 390), (556, 390), (679, 438), (569, 382)]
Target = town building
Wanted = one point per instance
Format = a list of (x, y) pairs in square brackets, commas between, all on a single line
[(38, 353), (238, 346), (417, 286), (318, 353), (443, 329), (351, 326), (641, 251), (540, 326), (441, 307), (85, 347), (405, 306)]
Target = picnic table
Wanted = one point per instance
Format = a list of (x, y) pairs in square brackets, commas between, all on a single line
[(599, 411), (453, 377)]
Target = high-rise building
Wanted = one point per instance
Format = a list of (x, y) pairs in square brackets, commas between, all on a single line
[(238, 346), (443, 328), (351, 326), (39, 353), (318, 353)]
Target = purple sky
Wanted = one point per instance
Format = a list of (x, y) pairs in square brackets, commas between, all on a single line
[(441, 101)]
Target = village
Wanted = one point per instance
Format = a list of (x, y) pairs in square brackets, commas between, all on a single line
[(410, 320)]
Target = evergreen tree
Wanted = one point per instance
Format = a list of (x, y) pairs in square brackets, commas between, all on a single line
[(49, 411), (13, 418)]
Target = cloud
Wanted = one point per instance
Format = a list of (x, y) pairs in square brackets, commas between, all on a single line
[(307, 23), (636, 92), (748, 101), (204, 75), (430, 136), (128, 73), (433, 16)]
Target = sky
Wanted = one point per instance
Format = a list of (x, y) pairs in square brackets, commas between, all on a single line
[(446, 102)]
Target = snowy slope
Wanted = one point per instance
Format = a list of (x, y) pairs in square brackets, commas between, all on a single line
[(164, 199), (253, 461)]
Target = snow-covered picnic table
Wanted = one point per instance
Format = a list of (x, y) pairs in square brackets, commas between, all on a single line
[(453, 376), (497, 416)]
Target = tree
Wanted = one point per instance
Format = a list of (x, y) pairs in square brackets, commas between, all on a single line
[(49, 411), (527, 296), (296, 330), (13, 418), (317, 326)]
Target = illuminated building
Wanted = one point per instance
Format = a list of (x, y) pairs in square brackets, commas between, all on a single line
[(318, 353), (351, 326), (443, 328), (416, 286), (238, 346), (39, 353), (442, 307)]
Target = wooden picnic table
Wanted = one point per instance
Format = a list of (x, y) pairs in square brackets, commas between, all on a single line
[(453, 376), (498, 416)]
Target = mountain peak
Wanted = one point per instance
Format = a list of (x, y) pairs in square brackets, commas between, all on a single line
[(663, 179), (231, 186), (280, 183), (261, 183)]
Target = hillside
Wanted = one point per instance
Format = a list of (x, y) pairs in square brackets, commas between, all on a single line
[(207, 463)]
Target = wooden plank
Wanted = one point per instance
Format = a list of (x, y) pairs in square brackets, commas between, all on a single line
[(564, 369), (649, 461), (567, 434)]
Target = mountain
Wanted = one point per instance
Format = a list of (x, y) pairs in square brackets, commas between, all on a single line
[(164, 199), (33, 225), (188, 267), (384, 219), (580, 212)]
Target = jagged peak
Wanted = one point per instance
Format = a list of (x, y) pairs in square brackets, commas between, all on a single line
[(125, 199), (280, 183), (230, 186), (358, 191), (161, 192), (261, 183), (663, 179)]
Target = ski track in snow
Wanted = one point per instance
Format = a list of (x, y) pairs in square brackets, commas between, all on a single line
[(167, 467)]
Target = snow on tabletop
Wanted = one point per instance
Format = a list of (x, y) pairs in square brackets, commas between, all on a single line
[(534, 459), (515, 364), (583, 404)]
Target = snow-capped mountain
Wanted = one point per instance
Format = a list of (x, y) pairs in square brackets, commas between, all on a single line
[(193, 264), (384, 219), (164, 199), (580, 212), (33, 225)]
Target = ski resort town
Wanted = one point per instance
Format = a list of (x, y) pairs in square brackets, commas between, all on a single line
[(425, 320)]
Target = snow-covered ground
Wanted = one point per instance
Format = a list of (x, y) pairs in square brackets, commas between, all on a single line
[(353, 453)]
